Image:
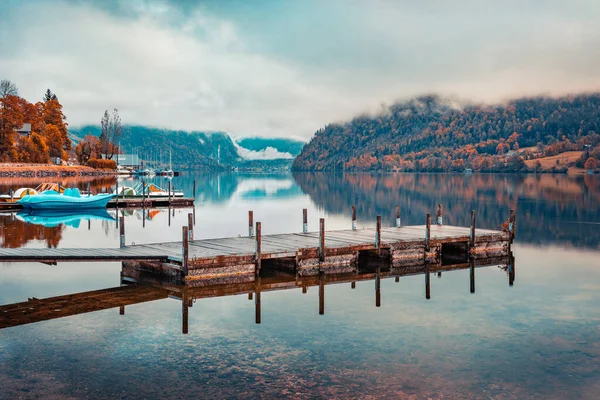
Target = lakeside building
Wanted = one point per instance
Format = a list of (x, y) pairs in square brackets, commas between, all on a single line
[(129, 161)]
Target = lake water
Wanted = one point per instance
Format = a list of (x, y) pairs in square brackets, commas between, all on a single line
[(536, 339)]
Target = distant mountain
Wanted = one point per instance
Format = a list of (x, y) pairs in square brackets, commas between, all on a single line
[(433, 134), (189, 150), (201, 150), (256, 148)]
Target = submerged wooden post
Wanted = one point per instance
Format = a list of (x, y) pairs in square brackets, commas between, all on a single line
[(322, 239), (321, 293), (427, 233), (250, 223), (184, 258), (472, 274), (353, 218), (122, 231), (472, 233), (304, 220), (378, 287), (398, 222), (257, 305), (427, 282), (378, 235), (439, 215), (258, 249), (191, 226)]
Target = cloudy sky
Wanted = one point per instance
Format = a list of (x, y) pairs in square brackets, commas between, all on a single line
[(286, 68)]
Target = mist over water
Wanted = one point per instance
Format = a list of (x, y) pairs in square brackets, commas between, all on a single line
[(535, 339)]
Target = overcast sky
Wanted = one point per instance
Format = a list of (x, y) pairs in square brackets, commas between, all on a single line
[(287, 68)]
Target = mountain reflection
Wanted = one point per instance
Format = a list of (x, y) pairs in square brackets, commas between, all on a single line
[(550, 208)]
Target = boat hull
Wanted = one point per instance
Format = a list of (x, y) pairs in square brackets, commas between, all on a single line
[(62, 202)]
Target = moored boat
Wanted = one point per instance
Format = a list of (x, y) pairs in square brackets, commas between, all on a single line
[(71, 199)]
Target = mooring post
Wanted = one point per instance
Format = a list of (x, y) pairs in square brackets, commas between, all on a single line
[(427, 233), (258, 249), (472, 274), (427, 282), (353, 218), (250, 296), (321, 293), (397, 279), (121, 310), (398, 222), (169, 212), (304, 289), (439, 215), (250, 223), (122, 231), (257, 305), (184, 315), (472, 234), (378, 235), (353, 285), (378, 287), (185, 243), (304, 220), (191, 226), (511, 269), (89, 224), (511, 226), (322, 239)]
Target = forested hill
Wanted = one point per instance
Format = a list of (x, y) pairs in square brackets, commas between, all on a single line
[(431, 134)]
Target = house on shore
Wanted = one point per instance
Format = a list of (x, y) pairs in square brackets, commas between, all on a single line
[(128, 161)]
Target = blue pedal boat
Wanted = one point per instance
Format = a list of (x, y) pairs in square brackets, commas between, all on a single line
[(70, 199)]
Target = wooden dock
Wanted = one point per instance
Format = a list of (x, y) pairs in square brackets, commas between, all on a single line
[(127, 202), (140, 286), (304, 254)]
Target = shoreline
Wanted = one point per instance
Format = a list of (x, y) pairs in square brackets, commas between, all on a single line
[(20, 170)]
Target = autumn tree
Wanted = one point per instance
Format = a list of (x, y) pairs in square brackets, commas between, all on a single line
[(88, 148), (11, 118), (33, 149), (591, 163), (8, 88)]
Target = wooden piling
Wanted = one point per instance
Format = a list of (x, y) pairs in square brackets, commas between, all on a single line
[(122, 231), (398, 222), (304, 289), (304, 220), (322, 239), (378, 235), (184, 317), (250, 223), (397, 279), (353, 218), (321, 293), (427, 232), (257, 305), (472, 232), (121, 310), (191, 226), (258, 249), (511, 227), (511, 269), (378, 287), (472, 275), (250, 296), (427, 283), (353, 285), (185, 249), (439, 215)]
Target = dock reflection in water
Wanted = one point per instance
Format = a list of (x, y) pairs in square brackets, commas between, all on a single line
[(140, 287)]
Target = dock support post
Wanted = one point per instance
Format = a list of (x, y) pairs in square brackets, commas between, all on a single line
[(321, 293), (250, 296), (427, 233), (250, 223), (472, 234), (322, 239), (304, 220), (378, 235), (257, 305), (353, 285), (184, 315), (122, 231), (378, 287), (511, 269), (397, 279), (353, 218), (121, 310), (304, 289), (191, 226), (398, 222), (439, 215), (472, 275), (258, 249), (184, 258), (427, 282)]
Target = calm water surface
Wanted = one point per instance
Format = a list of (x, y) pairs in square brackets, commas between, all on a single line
[(536, 339)]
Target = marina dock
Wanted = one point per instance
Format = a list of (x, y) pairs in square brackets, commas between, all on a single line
[(127, 202), (241, 259)]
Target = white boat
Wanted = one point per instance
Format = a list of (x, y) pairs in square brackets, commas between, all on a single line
[(147, 190)]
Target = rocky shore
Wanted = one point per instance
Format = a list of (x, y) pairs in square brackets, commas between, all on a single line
[(9, 170)]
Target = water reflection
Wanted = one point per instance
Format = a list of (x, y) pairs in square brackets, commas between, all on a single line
[(565, 207), (139, 286), (52, 219)]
